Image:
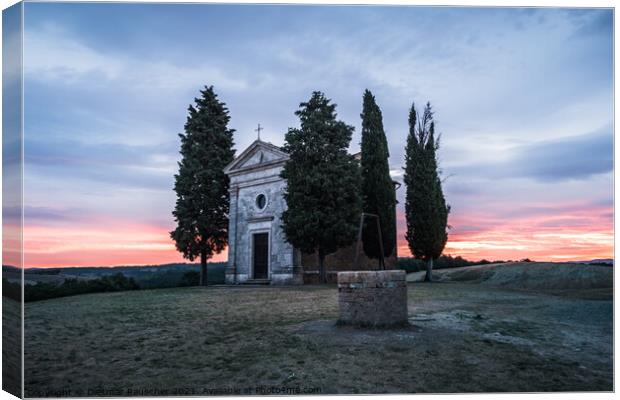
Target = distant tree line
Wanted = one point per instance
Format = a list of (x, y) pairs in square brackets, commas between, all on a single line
[(189, 276), (71, 287), (412, 264), (110, 283)]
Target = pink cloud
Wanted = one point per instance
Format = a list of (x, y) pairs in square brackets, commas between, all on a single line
[(11, 244), (545, 233), (540, 232), (111, 243)]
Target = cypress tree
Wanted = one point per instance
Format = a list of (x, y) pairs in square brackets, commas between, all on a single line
[(378, 194), (202, 204), (425, 206), (323, 180)]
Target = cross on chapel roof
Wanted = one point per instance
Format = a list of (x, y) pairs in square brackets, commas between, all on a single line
[(260, 128)]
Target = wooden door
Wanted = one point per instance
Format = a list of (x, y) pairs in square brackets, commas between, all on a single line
[(261, 255)]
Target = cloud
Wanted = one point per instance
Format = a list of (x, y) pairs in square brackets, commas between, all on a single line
[(12, 29), (569, 158), (53, 55), (572, 158), (541, 232), (112, 242), (106, 98), (49, 153), (149, 167), (12, 60), (592, 22)]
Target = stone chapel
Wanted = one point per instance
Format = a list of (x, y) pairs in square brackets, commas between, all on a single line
[(257, 248)]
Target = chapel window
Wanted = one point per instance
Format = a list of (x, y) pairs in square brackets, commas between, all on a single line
[(261, 201)]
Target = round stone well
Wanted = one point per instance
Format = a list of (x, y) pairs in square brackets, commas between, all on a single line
[(373, 298)]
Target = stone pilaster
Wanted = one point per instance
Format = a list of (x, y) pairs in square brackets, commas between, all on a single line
[(231, 269)]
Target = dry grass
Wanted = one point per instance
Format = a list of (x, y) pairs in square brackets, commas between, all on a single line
[(464, 338), (540, 276)]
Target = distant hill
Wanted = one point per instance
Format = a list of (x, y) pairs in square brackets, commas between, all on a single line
[(598, 261), (147, 276), (169, 275), (529, 276)]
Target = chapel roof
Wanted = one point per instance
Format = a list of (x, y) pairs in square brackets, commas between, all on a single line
[(267, 154)]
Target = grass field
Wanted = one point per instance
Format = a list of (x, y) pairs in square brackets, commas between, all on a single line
[(11, 346), (463, 338)]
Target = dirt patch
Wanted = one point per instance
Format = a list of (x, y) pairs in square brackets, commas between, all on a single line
[(322, 330)]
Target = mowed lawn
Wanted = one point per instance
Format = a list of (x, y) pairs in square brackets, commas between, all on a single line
[(463, 338)]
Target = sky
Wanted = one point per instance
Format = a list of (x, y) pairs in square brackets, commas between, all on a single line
[(523, 101)]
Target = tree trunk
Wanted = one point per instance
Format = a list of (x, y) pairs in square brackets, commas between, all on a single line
[(322, 273), (203, 268), (429, 270)]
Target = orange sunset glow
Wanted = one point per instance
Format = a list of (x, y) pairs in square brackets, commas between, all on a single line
[(580, 235), (110, 245)]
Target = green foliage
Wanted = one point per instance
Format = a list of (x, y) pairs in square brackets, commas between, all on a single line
[(202, 205), (105, 279), (172, 275), (425, 207), (411, 264), (190, 278), (323, 181), (47, 271), (378, 194), (71, 287)]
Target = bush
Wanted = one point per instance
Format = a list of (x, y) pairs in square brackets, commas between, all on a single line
[(174, 277), (411, 264), (452, 262), (190, 278), (216, 274)]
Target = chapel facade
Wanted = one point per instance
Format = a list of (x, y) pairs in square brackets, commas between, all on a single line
[(257, 248)]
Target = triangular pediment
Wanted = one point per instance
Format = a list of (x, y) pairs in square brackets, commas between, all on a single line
[(257, 154)]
